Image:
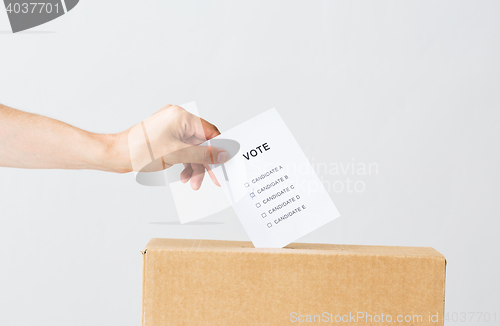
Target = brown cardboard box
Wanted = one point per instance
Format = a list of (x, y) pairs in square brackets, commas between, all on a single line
[(207, 282)]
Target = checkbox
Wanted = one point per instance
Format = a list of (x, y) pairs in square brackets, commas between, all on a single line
[(263, 215), (257, 205), (252, 195), (269, 225), (247, 185)]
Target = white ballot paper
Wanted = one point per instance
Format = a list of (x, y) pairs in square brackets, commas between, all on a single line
[(269, 181)]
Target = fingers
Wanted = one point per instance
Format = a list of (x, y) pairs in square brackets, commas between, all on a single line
[(187, 131), (197, 176), (197, 154), (186, 173), (189, 172), (195, 141), (210, 131), (203, 129), (192, 125), (212, 175)]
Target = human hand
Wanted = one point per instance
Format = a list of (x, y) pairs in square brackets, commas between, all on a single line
[(170, 136)]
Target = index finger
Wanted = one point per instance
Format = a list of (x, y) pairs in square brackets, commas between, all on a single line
[(204, 130)]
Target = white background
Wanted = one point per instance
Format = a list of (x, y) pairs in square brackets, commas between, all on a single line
[(410, 86)]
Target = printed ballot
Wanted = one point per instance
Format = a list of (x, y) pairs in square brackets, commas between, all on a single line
[(270, 183)]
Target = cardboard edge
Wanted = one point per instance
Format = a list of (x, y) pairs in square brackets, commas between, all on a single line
[(444, 288), (440, 257), (274, 251), (143, 294), (296, 248)]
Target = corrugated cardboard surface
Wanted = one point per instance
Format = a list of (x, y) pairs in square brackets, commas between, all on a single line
[(208, 282)]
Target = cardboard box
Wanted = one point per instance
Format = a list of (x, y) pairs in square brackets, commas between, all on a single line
[(207, 282)]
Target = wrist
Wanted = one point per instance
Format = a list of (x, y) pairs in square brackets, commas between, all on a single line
[(115, 154)]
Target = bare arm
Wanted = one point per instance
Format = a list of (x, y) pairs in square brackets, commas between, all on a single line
[(33, 141)]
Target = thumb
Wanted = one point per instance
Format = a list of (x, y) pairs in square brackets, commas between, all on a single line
[(198, 154)]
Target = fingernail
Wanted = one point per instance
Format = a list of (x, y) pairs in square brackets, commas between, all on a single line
[(222, 157)]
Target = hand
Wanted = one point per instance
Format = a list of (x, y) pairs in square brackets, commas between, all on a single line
[(170, 136)]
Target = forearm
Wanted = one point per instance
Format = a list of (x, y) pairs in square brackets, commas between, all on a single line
[(32, 141)]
